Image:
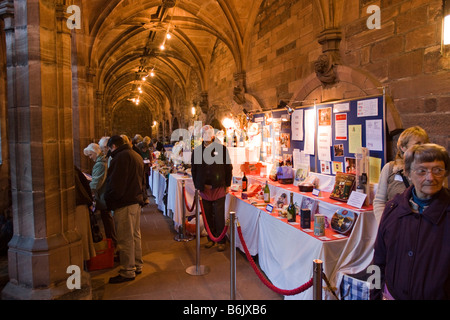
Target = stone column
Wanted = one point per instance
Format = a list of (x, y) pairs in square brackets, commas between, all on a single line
[(45, 242)]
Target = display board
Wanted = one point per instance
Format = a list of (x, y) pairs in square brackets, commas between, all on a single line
[(328, 134)]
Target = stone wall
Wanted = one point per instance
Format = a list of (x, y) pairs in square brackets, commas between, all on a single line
[(404, 56)]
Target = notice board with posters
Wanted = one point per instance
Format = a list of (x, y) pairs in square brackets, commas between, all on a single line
[(328, 135)]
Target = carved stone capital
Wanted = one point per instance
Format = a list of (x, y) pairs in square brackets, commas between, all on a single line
[(6, 9), (204, 105), (330, 39)]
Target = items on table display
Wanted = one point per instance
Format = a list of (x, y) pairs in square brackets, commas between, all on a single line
[(343, 221), (309, 203), (292, 210), (305, 218), (253, 190), (266, 193), (281, 201), (235, 187), (285, 175), (244, 183), (301, 173), (273, 173), (343, 186), (252, 168), (308, 184), (319, 225), (362, 183)]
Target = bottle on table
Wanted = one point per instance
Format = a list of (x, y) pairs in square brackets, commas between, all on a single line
[(266, 193), (291, 210), (244, 183), (234, 139)]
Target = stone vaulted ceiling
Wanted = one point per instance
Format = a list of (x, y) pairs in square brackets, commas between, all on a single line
[(125, 38)]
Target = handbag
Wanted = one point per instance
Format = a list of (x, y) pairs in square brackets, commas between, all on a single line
[(97, 235)]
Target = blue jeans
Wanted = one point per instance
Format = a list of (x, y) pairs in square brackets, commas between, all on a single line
[(128, 232)]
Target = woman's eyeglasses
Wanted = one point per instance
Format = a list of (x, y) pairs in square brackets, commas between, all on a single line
[(437, 172)]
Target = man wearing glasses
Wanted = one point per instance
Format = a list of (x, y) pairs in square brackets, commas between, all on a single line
[(412, 247)]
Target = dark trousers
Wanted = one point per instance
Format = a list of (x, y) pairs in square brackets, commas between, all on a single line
[(215, 216), (108, 225)]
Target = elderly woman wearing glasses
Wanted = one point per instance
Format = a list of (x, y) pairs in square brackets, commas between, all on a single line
[(412, 247)]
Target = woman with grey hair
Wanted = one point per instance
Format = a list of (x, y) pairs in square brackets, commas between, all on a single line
[(98, 187), (412, 247)]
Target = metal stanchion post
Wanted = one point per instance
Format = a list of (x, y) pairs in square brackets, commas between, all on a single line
[(317, 279), (198, 269), (233, 256), (181, 236)]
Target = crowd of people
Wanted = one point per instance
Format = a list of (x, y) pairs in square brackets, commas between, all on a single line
[(117, 188), (411, 206)]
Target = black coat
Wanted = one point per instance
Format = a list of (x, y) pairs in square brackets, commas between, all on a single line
[(212, 167), (124, 183)]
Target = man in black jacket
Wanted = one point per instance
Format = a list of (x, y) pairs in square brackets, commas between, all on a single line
[(124, 196), (212, 173)]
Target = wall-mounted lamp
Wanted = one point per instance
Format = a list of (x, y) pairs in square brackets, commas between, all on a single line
[(283, 104), (248, 114), (154, 123), (193, 111)]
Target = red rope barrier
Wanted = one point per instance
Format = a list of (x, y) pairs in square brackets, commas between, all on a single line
[(186, 204), (298, 290), (211, 236)]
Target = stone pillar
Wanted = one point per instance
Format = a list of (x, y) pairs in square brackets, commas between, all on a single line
[(100, 119), (45, 242)]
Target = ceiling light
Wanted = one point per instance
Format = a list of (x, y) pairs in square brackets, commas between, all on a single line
[(168, 35)]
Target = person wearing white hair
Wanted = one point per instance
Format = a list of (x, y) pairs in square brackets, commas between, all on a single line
[(211, 170), (98, 187), (103, 143)]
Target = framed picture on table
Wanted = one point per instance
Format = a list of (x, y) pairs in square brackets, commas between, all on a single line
[(343, 186)]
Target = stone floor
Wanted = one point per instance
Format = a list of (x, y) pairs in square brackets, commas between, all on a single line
[(164, 276)]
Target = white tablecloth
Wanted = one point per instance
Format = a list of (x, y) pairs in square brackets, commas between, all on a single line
[(158, 185), (286, 253)]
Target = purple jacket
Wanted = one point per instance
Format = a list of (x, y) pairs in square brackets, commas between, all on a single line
[(413, 250)]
